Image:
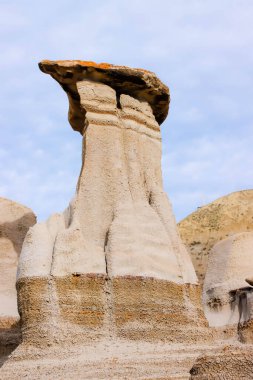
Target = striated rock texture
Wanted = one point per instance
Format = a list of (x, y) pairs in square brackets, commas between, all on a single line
[(216, 221), (15, 220), (112, 267)]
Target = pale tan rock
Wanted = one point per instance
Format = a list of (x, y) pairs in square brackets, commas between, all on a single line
[(227, 296), (230, 263), (216, 221), (105, 360), (110, 275), (120, 222), (218, 237), (15, 220)]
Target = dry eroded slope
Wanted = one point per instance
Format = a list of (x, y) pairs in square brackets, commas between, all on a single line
[(203, 228)]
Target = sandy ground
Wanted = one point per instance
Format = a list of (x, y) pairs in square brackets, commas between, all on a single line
[(105, 360)]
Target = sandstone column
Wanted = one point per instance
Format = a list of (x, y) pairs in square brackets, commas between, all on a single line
[(113, 263)]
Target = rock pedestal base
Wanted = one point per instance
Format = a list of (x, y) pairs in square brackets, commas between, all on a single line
[(78, 309)]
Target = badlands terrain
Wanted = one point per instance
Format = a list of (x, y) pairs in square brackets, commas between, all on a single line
[(112, 288)]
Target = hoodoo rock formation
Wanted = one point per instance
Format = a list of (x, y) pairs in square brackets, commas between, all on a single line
[(107, 289), (15, 220), (112, 267), (104, 262)]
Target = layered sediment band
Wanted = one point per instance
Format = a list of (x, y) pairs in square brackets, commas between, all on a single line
[(80, 308)]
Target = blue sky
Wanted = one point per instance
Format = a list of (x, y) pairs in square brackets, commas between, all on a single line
[(203, 50)]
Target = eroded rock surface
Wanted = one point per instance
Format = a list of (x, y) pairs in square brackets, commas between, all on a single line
[(118, 237), (227, 288), (15, 220), (227, 296), (202, 229), (112, 266), (138, 83)]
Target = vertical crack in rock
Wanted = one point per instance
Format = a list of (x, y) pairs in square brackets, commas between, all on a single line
[(105, 251), (109, 305), (118, 99), (241, 301), (53, 302)]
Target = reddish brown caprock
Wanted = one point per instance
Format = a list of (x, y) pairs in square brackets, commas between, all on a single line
[(142, 84)]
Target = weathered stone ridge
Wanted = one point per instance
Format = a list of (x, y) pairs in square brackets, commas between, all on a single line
[(218, 220)]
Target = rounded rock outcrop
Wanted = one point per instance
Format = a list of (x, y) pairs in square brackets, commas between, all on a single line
[(15, 221), (227, 296), (202, 229)]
